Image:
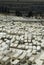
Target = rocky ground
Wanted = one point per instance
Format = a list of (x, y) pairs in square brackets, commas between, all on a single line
[(21, 43)]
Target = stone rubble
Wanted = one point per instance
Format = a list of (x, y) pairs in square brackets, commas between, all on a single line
[(21, 43)]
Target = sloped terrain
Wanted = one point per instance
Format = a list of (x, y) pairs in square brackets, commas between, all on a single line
[(21, 43)]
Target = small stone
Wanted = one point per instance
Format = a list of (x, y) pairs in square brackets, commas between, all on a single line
[(38, 48)]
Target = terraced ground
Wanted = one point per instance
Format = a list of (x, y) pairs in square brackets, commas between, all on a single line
[(21, 43)]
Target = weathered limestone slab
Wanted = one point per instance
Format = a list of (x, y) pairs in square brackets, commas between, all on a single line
[(15, 62)]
